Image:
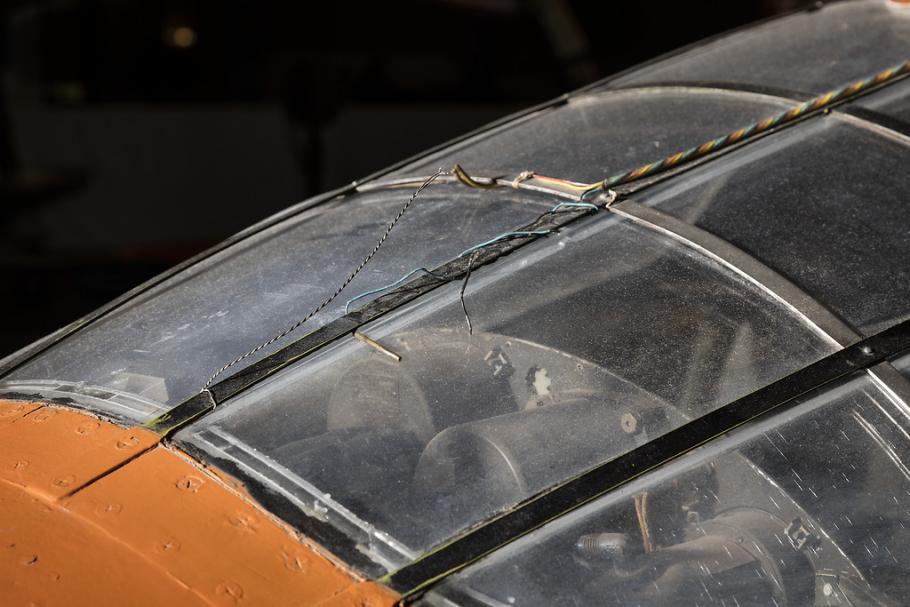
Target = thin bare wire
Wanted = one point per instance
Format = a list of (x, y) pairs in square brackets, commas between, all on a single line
[(338, 291), (464, 285)]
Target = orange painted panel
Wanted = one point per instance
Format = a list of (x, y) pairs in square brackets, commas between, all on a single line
[(209, 537), (139, 524), (363, 594), (52, 451), (11, 410), (49, 557)]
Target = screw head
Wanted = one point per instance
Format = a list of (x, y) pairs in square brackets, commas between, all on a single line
[(106, 508), (189, 483), (128, 442), (229, 592), (167, 545), (87, 428), (629, 423), (64, 481)]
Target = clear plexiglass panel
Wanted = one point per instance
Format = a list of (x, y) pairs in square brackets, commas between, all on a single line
[(892, 101), (595, 136), (582, 346), (808, 52), (824, 203), (902, 364), (809, 507), (160, 348)]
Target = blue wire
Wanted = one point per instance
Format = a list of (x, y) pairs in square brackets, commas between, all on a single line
[(388, 286), (504, 236), (587, 193), (585, 205)]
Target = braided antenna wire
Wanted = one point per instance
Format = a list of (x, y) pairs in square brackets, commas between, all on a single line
[(340, 288), (822, 101)]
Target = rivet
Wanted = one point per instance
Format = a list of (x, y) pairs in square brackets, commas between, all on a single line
[(128, 442), (87, 427), (189, 483), (231, 591), (64, 481), (629, 423), (294, 562), (43, 416), (167, 545), (243, 521), (108, 508), (12, 411)]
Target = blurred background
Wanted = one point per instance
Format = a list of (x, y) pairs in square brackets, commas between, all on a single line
[(134, 134)]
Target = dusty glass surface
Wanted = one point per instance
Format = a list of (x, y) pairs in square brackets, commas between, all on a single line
[(584, 345), (162, 347), (595, 136), (824, 203), (808, 52), (805, 508), (902, 364), (893, 100)]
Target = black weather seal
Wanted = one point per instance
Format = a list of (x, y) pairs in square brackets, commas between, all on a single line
[(183, 413), (537, 511), (247, 376)]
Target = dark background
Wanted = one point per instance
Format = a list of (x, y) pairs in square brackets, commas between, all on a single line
[(134, 134)]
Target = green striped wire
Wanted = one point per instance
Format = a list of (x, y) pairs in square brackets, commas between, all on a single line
[(692, 153)]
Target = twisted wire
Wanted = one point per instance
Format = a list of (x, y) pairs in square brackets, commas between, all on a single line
[(816, 103), (338, 291)]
